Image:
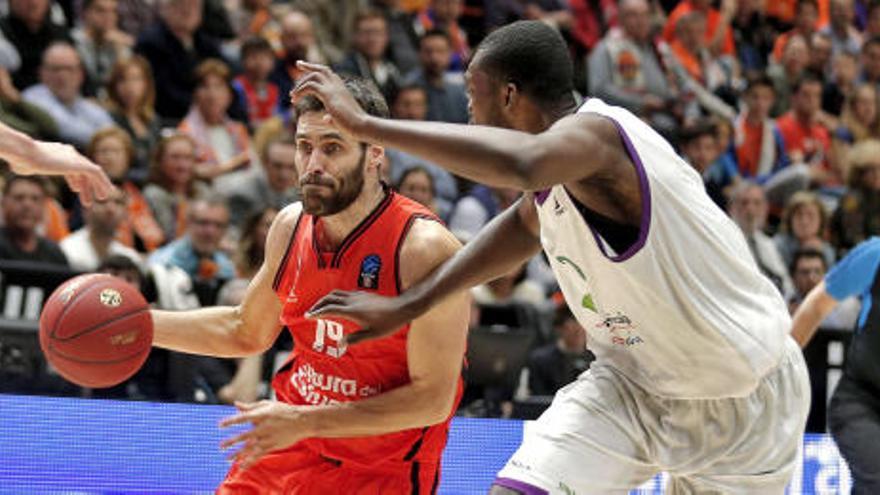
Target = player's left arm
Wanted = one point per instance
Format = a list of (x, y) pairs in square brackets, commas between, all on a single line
[(435, 352), (575, 148)]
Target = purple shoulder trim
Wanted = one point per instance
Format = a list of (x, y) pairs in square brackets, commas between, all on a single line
[(520, 486)]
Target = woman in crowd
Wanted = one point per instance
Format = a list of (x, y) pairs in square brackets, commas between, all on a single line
[(804, 223), (132, 95), (222, 144), (252, 243), (113, 150), (172, 183), (858, 214)]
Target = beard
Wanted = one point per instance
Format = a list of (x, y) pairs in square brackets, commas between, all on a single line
[(327, 196)]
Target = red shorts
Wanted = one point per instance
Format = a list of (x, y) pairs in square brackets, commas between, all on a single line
[(301, 471)]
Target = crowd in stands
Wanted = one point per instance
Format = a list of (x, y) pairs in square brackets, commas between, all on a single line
[(184, 103)]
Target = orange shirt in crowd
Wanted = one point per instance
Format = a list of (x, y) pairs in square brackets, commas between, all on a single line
[(713, 20), (54, 225), (812, 141), (139, 222), (688, 60), (748, 153)]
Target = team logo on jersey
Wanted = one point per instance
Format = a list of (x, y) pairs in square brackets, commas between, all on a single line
[(558, 209), (369, 276)]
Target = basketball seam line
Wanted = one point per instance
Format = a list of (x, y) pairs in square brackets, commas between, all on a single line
[(97, 326), (69, 304)]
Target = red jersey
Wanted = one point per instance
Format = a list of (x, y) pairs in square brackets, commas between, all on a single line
[(320, 370)]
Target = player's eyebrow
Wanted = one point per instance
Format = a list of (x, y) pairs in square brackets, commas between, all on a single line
[(321, 137)]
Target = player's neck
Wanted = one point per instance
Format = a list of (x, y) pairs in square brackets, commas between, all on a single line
[(337, 227), (536, 121)]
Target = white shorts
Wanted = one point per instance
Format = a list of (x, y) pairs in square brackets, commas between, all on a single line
[(604, 434)]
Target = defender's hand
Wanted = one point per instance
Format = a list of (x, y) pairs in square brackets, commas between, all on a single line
[(327, 86), (378, 316)]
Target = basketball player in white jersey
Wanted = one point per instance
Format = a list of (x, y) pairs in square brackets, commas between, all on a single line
[(695, 372)]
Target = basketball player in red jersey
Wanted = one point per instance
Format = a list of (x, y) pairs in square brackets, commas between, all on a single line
[(366, 419)]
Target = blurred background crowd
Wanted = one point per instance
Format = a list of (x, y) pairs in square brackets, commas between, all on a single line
[(184, 104)]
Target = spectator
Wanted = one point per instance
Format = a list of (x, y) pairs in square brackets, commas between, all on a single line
[(100, 43), (821, 51), (748, 208), (403, 48), (841, 84), (592, 19), (135, 16), (696, 71), (418, 185), (198, 251), (558, 363), (23, 203), (89, 246), (625, 70), (275, 186), (806, 15), (871, 61), (759, 147), (806, 139), (254, 19), (333, 23), (112, 149), (172, 183), (252, 243), (717, 35), (513, 287), (367, 57), (795, 58), (447, 98), (858, 213), (132, 98), (176, 37), (222, 145), (872, 24), (443, 15), (474, 210), (411, 103), (259, 97), (702, 149), (860, 120), (753, 35), (297, 43), (844, 35), (804, 224), (21, 115), (29, 28), (59, 95), (808, 268)]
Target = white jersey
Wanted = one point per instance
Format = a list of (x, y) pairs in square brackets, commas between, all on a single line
[(684, 312)]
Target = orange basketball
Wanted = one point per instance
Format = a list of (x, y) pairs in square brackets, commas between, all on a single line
[(96, 330)]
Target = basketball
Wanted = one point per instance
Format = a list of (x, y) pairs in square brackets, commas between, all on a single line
[(96, 330)]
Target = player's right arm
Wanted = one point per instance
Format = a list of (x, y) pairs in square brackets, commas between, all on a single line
[(234, 331), (509, 240), (816, 307)]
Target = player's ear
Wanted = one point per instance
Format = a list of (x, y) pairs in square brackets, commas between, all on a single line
[(376, 156), (511, 95)]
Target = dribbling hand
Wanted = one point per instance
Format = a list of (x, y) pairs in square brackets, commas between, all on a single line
[(378, 316)]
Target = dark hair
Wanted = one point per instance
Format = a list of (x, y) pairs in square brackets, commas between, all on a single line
[(807, 253), (700, 128), (118, 262), (364, 91), (808, 77), (803, 3), (534, 57), (435, 33), (757, 80), (12, 178), (367, 14), (873, 40), (254, 45), (418, 169)]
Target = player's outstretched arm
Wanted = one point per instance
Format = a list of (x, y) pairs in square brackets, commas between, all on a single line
[(435, 352), (27, 156), (234, 331), (816, 307), (505, 243), (574, 148)]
